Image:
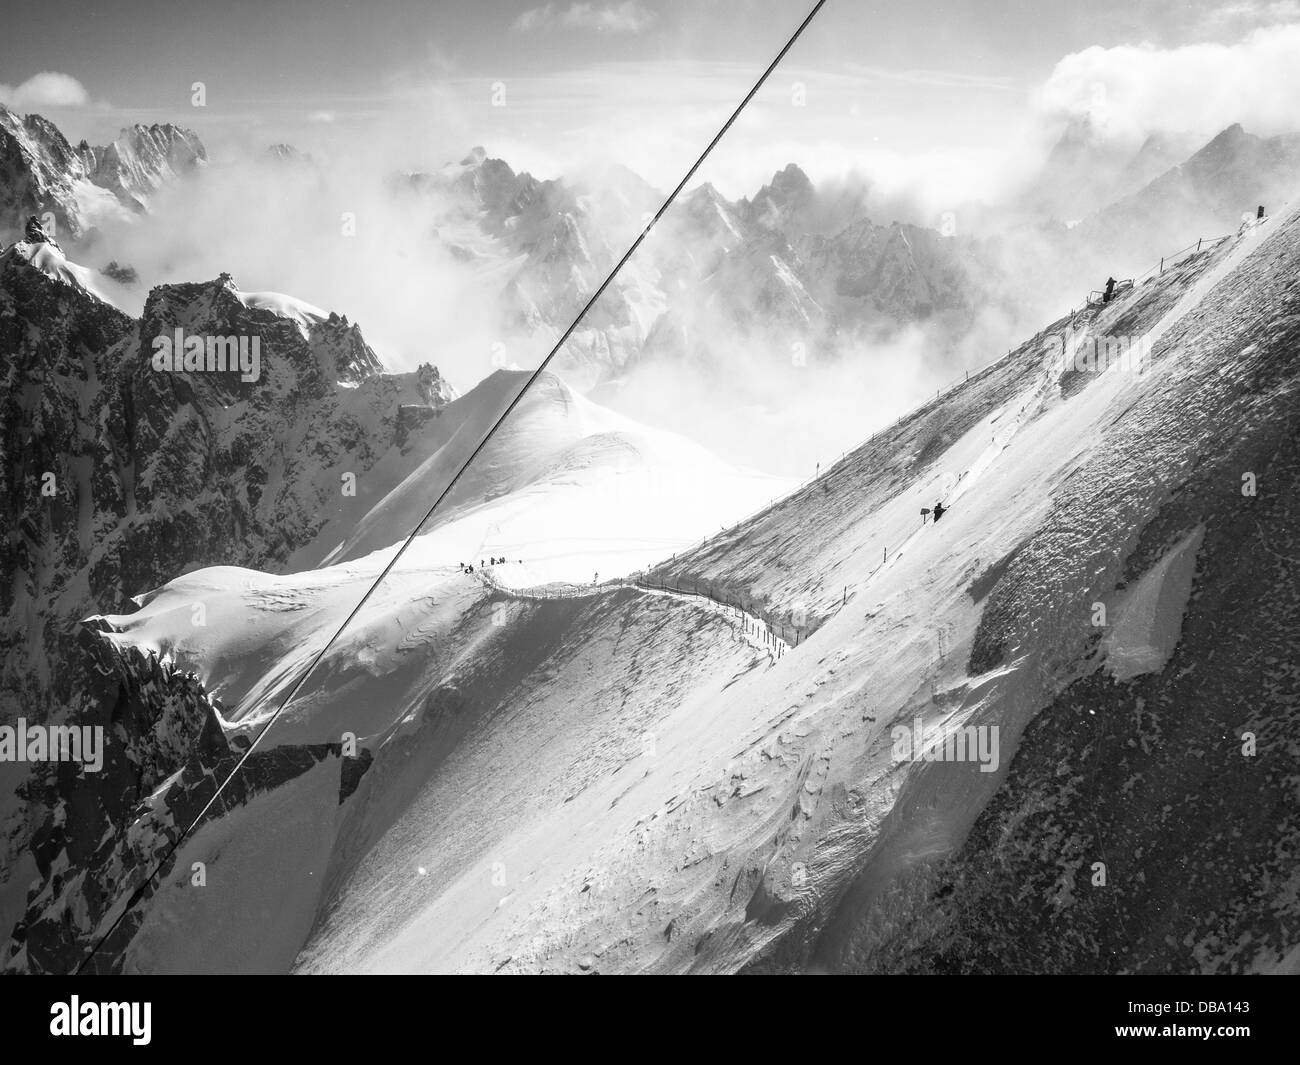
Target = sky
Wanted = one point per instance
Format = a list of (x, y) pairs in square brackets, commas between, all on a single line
[(947, 96)]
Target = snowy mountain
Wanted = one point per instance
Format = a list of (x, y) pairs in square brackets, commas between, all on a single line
[(753, 813), (1120, 220), (119, 476), (1206, 195), (715, 279), (510, 770), (1093, 177), (144, 462), (561, 468), (142, 160), (1089, 168), (722, 282), (568, 486), (40, 172), (724, 285), (46, 254)]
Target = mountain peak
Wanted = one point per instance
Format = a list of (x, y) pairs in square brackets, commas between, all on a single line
[(1229, 138), (35, 232), (789, 191), (790, 183), (476, 156), (1231, 147)]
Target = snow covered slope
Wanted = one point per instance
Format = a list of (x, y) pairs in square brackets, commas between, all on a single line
[(565, 491), (608, 779), (48, 257), (575, 487)]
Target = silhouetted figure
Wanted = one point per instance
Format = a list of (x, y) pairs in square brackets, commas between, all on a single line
[(1107, 296), (939, 511)]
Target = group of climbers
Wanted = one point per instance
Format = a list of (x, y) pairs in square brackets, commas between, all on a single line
[(492, 561)]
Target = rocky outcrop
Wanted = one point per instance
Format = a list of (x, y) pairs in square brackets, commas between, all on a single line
[(103, 840)]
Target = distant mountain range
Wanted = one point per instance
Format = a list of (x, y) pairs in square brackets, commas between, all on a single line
[(42, 174), (795, 271), (799, 265)]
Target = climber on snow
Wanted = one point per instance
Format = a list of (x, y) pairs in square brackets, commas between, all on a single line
[(939, 510)]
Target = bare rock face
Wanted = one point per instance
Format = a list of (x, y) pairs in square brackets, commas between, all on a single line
[(34, 231)]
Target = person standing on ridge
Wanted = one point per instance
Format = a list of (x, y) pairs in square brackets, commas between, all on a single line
[(1109, 294), (938, 511)]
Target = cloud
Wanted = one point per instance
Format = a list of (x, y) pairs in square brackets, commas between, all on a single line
[(47, 89), (1240, 15), (935, 79), (1132, 90), (625, 17)]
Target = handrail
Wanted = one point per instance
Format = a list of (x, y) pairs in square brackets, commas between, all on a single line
[(776, 643)]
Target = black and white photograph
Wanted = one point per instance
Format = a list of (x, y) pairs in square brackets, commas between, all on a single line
[(651, 487)]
